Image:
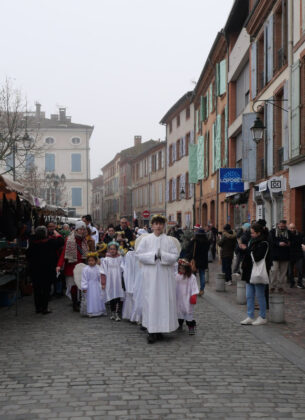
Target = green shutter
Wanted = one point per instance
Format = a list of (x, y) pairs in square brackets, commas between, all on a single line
[(193, 164), (211, 98), (217, 79), (202, 108), (197, 120), (218, 142), (225, 158), (295, 111), (200, 158), (222, 77)]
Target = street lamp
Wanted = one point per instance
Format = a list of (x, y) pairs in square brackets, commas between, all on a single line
[(257, 130), (182, 193), (26, 141)]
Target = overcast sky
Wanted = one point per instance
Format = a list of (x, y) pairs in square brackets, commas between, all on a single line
[(116, 64)]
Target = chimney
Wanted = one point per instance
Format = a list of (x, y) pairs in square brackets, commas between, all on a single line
[(54, 117), (38, 108), (62, 114), (137, 140)]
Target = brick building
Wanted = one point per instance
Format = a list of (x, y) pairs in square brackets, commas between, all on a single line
[(97, 199)]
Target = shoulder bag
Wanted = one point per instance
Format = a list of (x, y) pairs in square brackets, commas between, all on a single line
[(259, 273)]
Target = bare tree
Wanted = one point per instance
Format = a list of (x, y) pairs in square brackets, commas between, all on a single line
[(18, 132)]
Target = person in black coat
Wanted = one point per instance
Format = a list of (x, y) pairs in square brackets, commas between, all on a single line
[(259, 248), (41, 266), (198, 250), (296, 257), (123, 227), (280, 240)]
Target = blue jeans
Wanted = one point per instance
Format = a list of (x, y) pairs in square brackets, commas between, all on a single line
[(257, 290), (202, 278)]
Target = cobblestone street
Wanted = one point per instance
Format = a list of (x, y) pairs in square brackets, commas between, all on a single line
[(63, 366)]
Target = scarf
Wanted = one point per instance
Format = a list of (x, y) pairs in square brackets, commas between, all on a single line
[(71, 249)]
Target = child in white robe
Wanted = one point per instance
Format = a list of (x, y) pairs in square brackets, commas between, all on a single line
[(91, 286), (187, 290), (111, 269)]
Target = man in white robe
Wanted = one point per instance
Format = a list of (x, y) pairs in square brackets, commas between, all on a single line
[(158, 253)]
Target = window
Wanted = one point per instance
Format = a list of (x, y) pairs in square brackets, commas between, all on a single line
[(280, 50), (178, 120), (29, 162), (178, 188), (187, 142), (75, 140), (49, 162), (160, 160), (187, 186), (76, 196), (260, 63), (9, 162), (170, 190), (178, 150), (76, 162), (170, 127), (153, 163), (49, 140), (187, 113), (170, 155)]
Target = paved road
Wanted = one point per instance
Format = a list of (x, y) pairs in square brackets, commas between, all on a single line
[(62, 366)]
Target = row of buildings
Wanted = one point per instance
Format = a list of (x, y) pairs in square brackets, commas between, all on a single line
[(247, 111)]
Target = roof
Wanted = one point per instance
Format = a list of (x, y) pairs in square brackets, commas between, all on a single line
[(134, 151), (187, 97), (53, 123), (158, 144), (237, 17)]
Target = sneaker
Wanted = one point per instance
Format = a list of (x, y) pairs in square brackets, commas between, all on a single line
[(112, 316), (300, 286), (117, 317), (260, 321), (228, 283), (191, 331), (247, 321)]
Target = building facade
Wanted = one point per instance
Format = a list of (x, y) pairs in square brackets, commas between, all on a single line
[(179, 122), (97, 199), (111, 178), (148, 183)]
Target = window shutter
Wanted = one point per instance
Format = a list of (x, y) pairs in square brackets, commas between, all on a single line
[(218, 143), (295, 110), (174, 153), (222, 77), (285, 121), (269, 135), (157, 161), (162, 158), (249, 149), (191, 190), (193, 163), (202, 108), (149, 164), (217, 77), (174, 195), (192, 137), (211, 98), (182, 182), (197, 120), (200, 158), (269, 45), (167, 191), (253, 69), (225, 159)]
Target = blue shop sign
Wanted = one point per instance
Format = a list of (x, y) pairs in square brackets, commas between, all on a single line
[(230, 180)]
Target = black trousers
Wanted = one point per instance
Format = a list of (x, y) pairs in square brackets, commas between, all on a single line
[(188, 323), (116, 305), (41, 287), (227, 267)]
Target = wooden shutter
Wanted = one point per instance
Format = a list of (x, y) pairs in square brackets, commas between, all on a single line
[(253, 69), (200, 158), (249, 149), (285, 122), (197, 120), (270, 49), (174, 153), (202, 108), (295, 110), (269, 136), (222, 77), (174, 196), (162, 158), (167, 191), (149, 164), (217, 79), (211, 98)]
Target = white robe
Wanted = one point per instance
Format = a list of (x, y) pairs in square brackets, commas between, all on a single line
[(129, 279), (113, 268), (159, 283), (91, 281), (136, 315), (186, 287)]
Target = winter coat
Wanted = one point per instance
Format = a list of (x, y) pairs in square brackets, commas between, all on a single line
[(279, 253), (296, 252), (227, 244), (259, 248), (41, 255), (201, 251)]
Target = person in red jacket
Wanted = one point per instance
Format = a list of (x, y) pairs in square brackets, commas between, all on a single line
[(74, 252)]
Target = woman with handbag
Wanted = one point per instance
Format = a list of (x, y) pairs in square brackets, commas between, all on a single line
[(255, 268)]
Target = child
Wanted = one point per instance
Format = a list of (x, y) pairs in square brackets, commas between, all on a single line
[(187, 290), (111, 270), (91, 286)]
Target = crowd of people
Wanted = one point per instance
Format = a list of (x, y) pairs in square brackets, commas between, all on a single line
[(149, 277)]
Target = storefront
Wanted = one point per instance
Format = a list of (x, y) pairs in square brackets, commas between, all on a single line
[(297, 185)]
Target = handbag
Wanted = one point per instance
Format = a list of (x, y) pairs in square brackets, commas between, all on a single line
[(259, 273), (193, 262)]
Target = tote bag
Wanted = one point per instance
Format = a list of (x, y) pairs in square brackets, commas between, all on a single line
[(259, 273)]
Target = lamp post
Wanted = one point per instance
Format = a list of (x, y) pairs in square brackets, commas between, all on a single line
[(182, 193), (26, 142)]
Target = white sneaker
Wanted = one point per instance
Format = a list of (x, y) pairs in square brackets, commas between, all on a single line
[(260, 321), (112, 316), (228, 283), (117, 318), (247, 321)]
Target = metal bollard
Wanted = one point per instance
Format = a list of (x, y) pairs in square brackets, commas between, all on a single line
[(206, 275), (276, 308), (220, 282), (241, 292)]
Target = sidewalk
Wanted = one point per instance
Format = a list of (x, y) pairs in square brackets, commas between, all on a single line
[(294, 327)]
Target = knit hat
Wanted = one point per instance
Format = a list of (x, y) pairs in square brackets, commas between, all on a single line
[(80, 225)]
